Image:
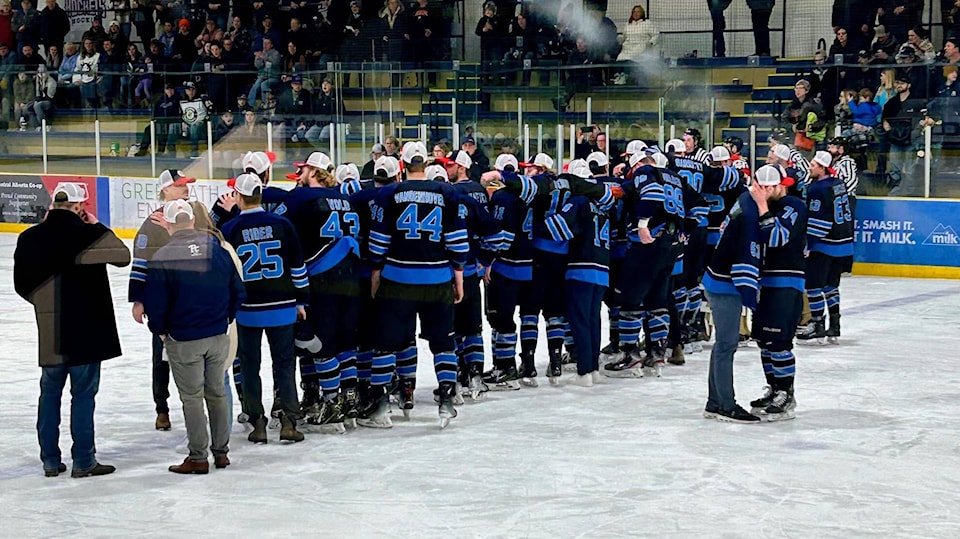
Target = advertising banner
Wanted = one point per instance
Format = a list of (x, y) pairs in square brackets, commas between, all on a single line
[(902, 231), (132, 200), (26, 198)]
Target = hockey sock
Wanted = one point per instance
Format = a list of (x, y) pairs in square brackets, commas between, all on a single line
[(328, 373), (629, 327), (784, 369), (832, 296), (238, 378), (348, 369), (308, 377), (555, 332), (767, 363), (382, 369), (658, 324), (406, 361), (694, 300), (613, 326), (505, 351), (567, 336), (445, 364), (529, 332), (680, 303), (817, 303), (364, 363), (473, 350)]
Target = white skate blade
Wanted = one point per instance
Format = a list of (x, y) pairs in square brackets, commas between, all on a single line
[(529, 382), (833, 340), (554, 380), (476, 396), (569, 367), (407, 413), (512, 385), (376, 423), (580, 381), (350, 422), (812, 342), (445, 419), (787, 415), (634, 372)]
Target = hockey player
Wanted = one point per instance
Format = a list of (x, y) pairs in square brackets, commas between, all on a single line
[(783, 223), (654, 201), (830, 244), (258, 163), (329, 229), (586, 226), (151, 236), (792, 158), (846, 168), (418, 245), (277, 288), (734, 145), (731, 283)]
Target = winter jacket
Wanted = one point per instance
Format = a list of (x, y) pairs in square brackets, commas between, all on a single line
[(60, 267), (638, 35), (866, 113), (30, 20)]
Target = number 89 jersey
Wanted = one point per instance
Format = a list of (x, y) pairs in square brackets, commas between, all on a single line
[(417, 235)]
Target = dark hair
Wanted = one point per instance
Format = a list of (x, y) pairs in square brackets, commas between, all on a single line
[(418, 165)]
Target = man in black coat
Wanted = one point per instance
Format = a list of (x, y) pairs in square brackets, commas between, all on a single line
[(54, 25), (60, 267)]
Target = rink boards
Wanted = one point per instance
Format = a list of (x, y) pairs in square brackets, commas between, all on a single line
[(898, 237)]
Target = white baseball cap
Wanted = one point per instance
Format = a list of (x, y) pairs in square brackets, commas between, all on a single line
[(719, 154), (388, 165), (674, 145), (541, 160), (460, 157), (660, 160), (72, 191), (504, 160), (346, 172), (770, 175), (823, 158), (318, 160), (176, 208), (174, 177), (412, 150), (640, 156), (579, 168), (246, 184), (635, 147), (259, 162), (782, 151), (598, 158), (437, 172)]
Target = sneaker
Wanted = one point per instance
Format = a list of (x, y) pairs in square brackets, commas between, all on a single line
[(502, 379), (737, 415), (758, 406), (710, 411), (782, 407), (98, 469), (199, 467), (54, 473)]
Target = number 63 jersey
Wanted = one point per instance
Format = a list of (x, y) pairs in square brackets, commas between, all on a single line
[(829, 223), (417, 235)]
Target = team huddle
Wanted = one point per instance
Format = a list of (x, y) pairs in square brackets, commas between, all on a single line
[(337, 271)]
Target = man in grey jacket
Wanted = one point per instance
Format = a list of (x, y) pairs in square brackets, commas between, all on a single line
[(268, 64)]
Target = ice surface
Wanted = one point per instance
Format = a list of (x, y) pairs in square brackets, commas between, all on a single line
[(873, 451)]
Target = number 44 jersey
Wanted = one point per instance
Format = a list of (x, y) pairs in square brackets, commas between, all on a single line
[(416, 234)]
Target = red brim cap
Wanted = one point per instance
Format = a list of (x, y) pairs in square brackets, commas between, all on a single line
[(231, 183), (293, 176), (525, 165), (300, 165), (788, 182), (271, 156), (445, 161), (184, 180)]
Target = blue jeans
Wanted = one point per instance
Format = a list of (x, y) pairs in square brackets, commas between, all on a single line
[(726, 310), (84, 384)]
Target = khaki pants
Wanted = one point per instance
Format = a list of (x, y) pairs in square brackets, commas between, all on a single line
[(197, 368)]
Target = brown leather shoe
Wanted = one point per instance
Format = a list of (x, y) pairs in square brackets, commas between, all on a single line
[(163, 422), (221, 461), (191, 467)]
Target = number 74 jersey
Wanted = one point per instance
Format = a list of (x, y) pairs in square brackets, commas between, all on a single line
[(417, 235)]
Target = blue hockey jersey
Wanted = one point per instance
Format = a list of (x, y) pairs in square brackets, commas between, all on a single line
[(829, 223), (586, 227)]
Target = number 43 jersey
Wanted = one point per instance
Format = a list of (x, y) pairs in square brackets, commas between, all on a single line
[(273, 273), (416, 234)]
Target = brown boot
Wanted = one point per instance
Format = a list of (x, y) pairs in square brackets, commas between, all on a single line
[(163, 422), (259, 434), (191, 467), (288, 431), (220, 462), (677, 357)]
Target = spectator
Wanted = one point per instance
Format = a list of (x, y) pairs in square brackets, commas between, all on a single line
[(87, 72), (211, 33), (608, 45), (173, 10), (951, 50), (54, 25), (294, 61), (166, 115), (223, 125), (7, 34), (857, 16), (887, 88), (267, 62), (269, 32), (950, 15), (252, 130), (760, 12), (393, 23), (899, 16), (717, 7), (842, 113), (60, 268), (184, 52), (218, 87), (69, 65), (492, 32), (116, 35), (8, 68), (376, 152), (267, 107), (45, 90), (240, 36), (578, 78), (481, 163), (884, 49), (866, 114), (121, 14), (29, 59), (353, 48), (322, 47), (843, 47), (96, 33), (441, 149), (944, 107), (920, 41), (23, 98), (296, 106), (422, 28), (639, 34), (112, 67), (26, 23), (298, 34), (911, 65), (328, 110), (167, 39), (901, 116), (54, 58), (138, 77), (142, 18), (586, 142), (153, 57), (525, 40), (218, 10), (391, 147)]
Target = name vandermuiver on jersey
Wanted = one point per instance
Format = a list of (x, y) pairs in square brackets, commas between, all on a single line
[(421, 197)]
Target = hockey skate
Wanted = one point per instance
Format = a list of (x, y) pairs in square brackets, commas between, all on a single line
[(656, 358), (330, 420), (528, 372), (568, 361), (502, 380), (350, 406), (407, 387), (375, 413), (758, 407), (554, 369), (833, 330), (782, 407), (814, 333), (631, 366), (447, 409), (610, 353), (581, 380)]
